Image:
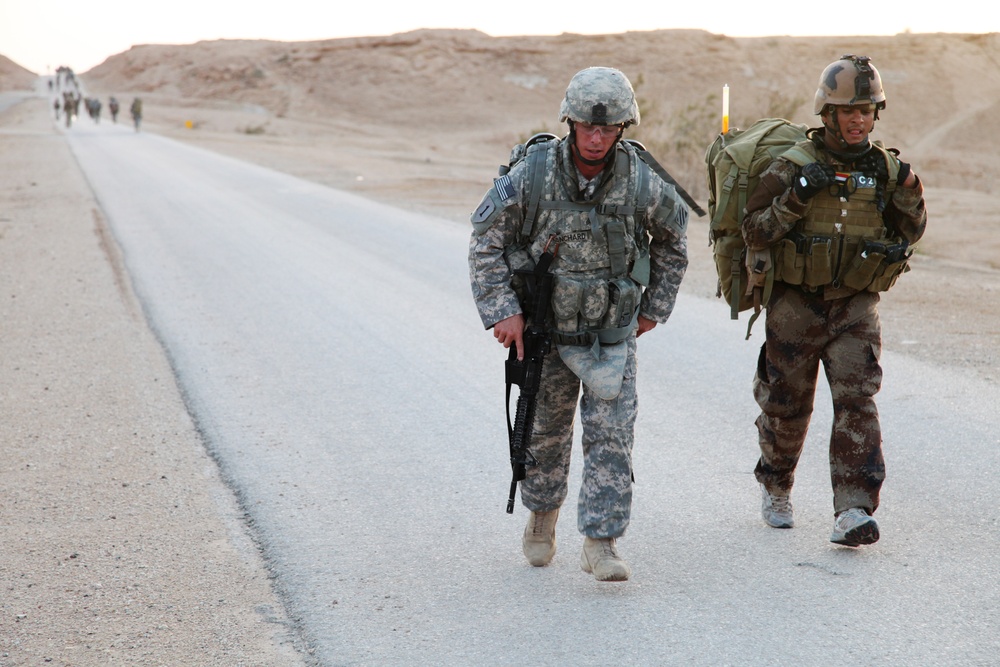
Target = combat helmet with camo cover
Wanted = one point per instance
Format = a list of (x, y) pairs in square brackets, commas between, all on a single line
[(600, 96), (848, 81), (595, 96)]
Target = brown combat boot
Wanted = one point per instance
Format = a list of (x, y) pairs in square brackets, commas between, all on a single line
[(600, 557), (539, 541)]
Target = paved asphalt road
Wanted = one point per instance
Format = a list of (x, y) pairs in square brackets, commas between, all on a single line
[(329, 350)]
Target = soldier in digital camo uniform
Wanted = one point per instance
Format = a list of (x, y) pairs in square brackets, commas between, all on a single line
[(840, 227), (619, 236)]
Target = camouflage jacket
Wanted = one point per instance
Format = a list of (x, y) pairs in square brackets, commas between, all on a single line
[(773, 209), (661, 223)]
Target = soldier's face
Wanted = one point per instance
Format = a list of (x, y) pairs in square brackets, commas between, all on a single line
[(594, 141), (855, 122)]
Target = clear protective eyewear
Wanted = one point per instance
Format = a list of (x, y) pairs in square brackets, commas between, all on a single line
[(606, 131)]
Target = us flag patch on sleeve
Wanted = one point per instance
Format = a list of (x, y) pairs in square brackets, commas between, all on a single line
[(504, 187)]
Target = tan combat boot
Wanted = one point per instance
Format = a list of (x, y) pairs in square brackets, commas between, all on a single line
[(600, 557), (539, 541)]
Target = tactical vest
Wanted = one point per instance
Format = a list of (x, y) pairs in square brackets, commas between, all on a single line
[(602, 260), (841, 245)]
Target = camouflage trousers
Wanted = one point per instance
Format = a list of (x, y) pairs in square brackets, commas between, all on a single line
[(605, 501), (845, 335)]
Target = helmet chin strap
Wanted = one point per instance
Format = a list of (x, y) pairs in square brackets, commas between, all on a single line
[(576, 151), (592, 163), (846, 151)]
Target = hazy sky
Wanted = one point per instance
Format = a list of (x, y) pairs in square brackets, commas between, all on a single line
[(44, 34)]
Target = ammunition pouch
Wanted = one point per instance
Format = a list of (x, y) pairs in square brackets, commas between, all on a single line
[(815, 261), (594, 309), (894, 263)]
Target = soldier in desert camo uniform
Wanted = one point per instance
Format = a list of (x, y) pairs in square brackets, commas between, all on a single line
[(840, 226)]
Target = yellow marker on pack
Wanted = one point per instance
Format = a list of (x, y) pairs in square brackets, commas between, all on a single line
[(725, 108)]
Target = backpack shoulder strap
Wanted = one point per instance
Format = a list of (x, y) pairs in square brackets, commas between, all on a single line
[(650, 161), (802, 153), (891, 164), (641, 192), (535, 157)]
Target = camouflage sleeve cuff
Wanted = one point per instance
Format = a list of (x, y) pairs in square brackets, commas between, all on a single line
[(909, 199), (499, 313), (793, 204), (669, 263)]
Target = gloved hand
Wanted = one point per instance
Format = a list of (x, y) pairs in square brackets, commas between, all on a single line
[(812, 179)]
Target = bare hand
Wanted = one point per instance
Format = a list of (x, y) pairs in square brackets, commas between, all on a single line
[(645, 325), (511, 331)]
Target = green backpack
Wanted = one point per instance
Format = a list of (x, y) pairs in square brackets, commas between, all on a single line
[(735, 161)]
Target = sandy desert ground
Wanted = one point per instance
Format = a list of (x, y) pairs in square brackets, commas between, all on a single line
[(120, 543)]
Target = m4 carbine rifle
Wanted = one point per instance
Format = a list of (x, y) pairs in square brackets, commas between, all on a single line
[(527, 373)]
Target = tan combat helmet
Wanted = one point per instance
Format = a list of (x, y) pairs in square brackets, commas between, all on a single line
[(600, 96), (850, 80)]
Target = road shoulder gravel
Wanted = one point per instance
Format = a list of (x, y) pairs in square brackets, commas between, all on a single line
[(119, 542)]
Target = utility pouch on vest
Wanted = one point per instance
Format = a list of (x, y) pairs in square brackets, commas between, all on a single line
[(623, 300), (887, 274), (579, 305), (588, 310), (861, 270), (819, 262), (790, 259)]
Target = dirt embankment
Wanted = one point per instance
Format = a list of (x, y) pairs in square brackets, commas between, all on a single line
[(15, 77)]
